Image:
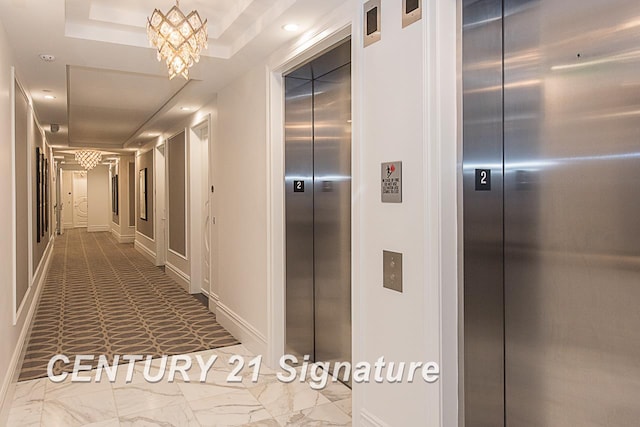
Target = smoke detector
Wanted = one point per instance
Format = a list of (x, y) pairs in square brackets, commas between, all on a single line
[(55, 127)]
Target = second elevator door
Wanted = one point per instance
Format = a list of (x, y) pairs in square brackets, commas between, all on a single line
[(552, 255), (318, 207)]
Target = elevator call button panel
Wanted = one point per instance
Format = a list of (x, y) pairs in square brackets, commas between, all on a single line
[(392, 271), (392, 182)]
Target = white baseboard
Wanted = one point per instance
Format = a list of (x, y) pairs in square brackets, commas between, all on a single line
[(123, 239), (127, 239), (183, 279), (13, 370), (214, 302), (244, 332), (148, 253), (98, 228), (367, 419)]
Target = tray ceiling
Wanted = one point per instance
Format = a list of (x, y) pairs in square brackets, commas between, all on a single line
[(106, 88)]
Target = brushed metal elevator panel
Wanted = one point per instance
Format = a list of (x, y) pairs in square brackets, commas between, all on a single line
[(483, 238), (332, 232), (299, 216), (552, 254), (572, 209), (318, 207)]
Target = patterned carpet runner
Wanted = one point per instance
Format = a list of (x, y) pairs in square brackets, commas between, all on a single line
[(104, 298)]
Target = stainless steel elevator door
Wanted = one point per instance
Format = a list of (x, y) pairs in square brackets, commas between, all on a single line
[(483, 224), (299, 216), (332, 231), (318, 207), (552, 253), (572, 212)]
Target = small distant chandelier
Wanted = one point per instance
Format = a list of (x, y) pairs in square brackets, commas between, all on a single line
[(88, 159), (179, 39)]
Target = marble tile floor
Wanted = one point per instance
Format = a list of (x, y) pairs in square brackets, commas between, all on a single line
[(267, 402)]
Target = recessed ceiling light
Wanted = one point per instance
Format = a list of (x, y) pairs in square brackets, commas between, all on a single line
[(47, 58), (291, 27), (186, 108), (49, 97)]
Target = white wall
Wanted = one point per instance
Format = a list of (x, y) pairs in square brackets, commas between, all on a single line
[(408, 114), (392, 125), (239, 173), (8, 333), (12, 334), (404, 109), (99, 199)]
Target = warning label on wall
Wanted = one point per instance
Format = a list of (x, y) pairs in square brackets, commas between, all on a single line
[(392, 182)]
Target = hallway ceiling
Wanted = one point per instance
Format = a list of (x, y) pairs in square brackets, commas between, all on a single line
[(110, 91)]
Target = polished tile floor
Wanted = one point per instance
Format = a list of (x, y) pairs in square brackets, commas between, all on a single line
[(267, 402)]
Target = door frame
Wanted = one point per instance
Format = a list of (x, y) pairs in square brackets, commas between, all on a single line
[(336, 29), (199, 201)]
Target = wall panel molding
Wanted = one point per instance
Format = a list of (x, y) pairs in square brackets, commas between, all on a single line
[(13, 369)]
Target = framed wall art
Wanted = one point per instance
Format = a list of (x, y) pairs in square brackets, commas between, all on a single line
[(143, 193), (114, 195), (38, 195), (46, 196)]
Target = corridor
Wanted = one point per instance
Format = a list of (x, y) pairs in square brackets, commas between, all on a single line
[(431, 205), (101, 297), (104, 298)]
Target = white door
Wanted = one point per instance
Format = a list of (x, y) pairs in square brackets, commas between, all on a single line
[(67, 199), (206, 248), (80, 202), (206, 211)]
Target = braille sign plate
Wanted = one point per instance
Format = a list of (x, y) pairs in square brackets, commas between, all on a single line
[(392, 182)]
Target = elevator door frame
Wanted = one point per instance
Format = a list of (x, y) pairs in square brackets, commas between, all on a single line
[(280, 65), (318, 156)]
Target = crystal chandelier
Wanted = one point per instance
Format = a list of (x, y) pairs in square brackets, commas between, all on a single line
[(179, 39), (88, 159)]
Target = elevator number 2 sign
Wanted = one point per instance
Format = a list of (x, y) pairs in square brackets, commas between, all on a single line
[(298, 186), (483, 179)]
